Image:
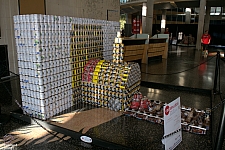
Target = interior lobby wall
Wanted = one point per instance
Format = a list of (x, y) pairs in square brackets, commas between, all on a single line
[(95, 9)]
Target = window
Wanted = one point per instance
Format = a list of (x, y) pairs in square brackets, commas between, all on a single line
[(215, 10)]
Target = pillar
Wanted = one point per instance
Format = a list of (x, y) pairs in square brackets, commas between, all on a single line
[(163, 18), (128, 19), (144, 11), (187, 15), (200, 23), (149, 17), (207, 18), (128, 25)]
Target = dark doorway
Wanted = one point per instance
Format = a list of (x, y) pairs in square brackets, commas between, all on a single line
[(5, 86), (4, 63)]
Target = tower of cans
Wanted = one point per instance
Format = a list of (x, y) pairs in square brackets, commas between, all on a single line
[(86, 43), (52, 52), (110, 28), (43, 44), (111, 85), (118, 50)]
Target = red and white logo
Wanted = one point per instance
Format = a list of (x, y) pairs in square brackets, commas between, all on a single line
[(167, 110)]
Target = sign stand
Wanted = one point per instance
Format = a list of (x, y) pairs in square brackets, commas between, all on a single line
[(172, 125)]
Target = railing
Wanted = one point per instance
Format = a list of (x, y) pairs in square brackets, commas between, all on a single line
[(218, 110)]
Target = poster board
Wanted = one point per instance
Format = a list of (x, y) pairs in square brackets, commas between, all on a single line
[(31, 7), (172, 124), (136, 24)]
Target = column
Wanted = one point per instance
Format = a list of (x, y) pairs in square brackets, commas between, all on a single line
[(163, 18), (188, 15), (128, 19), (144, 11), (128, 25), (207, 18), (149, 17), (200, 23)]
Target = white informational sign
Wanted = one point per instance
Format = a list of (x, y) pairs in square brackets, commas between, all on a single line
[(174, 42), (172, 123)]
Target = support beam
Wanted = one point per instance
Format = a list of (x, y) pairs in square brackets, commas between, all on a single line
[(163, 18), (200, 23), (144, 11), (207, 18), (188, 15), (149, 17)]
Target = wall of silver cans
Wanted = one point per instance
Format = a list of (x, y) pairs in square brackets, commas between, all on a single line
[(50, 61), (110, 29)]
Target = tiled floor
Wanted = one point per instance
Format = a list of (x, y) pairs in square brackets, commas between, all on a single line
[(183, 74)]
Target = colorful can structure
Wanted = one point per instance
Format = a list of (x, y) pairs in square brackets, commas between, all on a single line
[(113, 84), (52, 52)]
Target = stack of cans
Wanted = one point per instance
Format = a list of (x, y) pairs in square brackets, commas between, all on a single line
[(110, 29), (52, 52), (114, 104), (42, 43), (109, 87), (118, 50), (86, 43), (89, 70), (133, 79)]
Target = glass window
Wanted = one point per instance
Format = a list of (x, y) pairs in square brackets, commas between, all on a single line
[(215, 10)]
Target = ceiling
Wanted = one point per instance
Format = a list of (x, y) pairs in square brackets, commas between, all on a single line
[(136, 6)]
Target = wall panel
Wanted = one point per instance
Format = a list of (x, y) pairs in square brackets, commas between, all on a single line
[(94, 9)]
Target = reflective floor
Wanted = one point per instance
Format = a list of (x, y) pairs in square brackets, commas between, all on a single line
[(185, 74), (184, 67)]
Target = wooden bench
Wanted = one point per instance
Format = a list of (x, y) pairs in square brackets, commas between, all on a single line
[(157, 47), (144, 51), (133, 52)]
